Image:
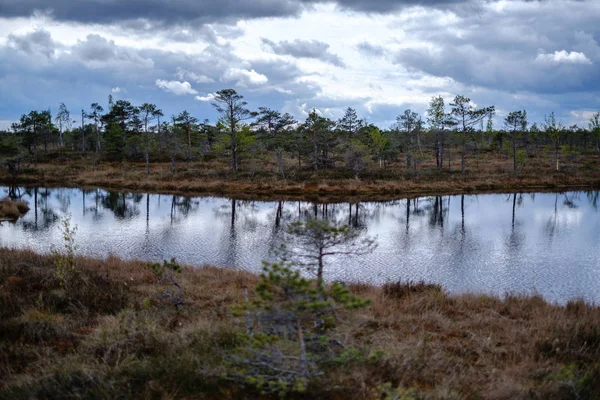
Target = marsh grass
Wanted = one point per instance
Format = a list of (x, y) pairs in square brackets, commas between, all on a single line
[(486, 172), (101, 340)]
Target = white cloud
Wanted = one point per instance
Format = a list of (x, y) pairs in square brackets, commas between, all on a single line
[(583, 114), (198, 78), (5, 124), (563, 57), (208, 97), (176, 87), (243, 76), (116, 90)]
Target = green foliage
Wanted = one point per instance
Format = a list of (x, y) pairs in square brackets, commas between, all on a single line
[(289, 332), (114, 142), (356, 156), (165, 272), (319, 139), (388, 392), (579, 381), (378, 142), (64, 261), (9, 146), (521, 157), (166, 268)]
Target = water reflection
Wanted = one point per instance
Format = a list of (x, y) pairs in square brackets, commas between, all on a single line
[(547, 242)]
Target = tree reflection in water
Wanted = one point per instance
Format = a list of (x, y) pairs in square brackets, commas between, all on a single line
[(450, 237)]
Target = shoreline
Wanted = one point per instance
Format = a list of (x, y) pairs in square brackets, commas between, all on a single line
[(324, 188)]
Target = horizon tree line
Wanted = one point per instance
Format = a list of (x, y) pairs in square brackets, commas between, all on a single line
[(126, 131)]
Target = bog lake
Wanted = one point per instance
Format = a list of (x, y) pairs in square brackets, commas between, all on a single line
[(544, 243)]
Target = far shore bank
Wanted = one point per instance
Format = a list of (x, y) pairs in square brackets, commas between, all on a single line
[(196, 180)]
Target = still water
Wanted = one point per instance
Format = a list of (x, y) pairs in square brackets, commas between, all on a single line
[(546, 243)]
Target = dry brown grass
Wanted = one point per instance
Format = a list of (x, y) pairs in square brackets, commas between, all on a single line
[(486, 172), (99, 340)]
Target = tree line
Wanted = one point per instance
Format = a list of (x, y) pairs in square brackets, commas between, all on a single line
[(126, 131)]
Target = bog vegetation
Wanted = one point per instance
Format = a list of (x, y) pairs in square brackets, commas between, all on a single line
[(74, 327), (266, 144)]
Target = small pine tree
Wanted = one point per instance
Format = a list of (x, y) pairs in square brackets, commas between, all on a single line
[(165, 272), (283, 348)]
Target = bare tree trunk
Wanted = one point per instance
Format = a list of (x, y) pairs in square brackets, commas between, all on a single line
[(147, 153), (280, 162), (97, 139), (316, 156), (234, 163), (514, 143), (303, 356), (442, 152), (60, 133), (82, 131), (409, 152), (35, 145), (464, 149)]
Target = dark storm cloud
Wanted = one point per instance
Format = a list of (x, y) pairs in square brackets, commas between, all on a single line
[(185, 11), (305, 49), (540, 55), (166, 11), (385, 6), (535, 47)]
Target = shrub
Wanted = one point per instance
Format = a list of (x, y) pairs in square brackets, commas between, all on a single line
[(165, 272), (400, 290), (66, 268), (289, 332)]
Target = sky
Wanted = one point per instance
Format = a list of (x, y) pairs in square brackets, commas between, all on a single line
[(380, 57)]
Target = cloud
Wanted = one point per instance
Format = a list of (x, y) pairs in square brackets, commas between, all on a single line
[(186, 12), (243, 76), (493, 48), (176, 87), (396, 54), (583, 117), (198, 78), (5, 125), (305, 49), (39, 41), (371, 50), (97, 51), (208, 97), (167, 12), (563, 57), (116, 90)]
